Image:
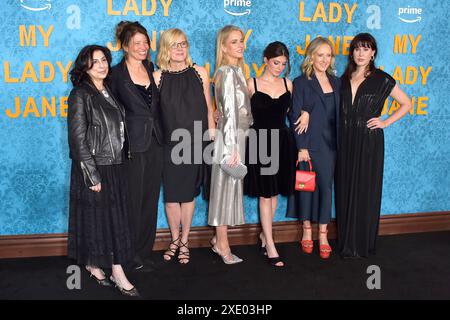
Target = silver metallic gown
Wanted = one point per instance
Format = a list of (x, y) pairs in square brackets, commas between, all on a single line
[(226, 205)]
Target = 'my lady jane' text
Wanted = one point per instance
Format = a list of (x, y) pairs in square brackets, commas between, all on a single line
[(44, 71)]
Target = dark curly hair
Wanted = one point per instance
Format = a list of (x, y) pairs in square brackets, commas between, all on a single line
[(83, 63)]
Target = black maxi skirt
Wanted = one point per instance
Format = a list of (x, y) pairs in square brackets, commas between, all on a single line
[(99, 232)]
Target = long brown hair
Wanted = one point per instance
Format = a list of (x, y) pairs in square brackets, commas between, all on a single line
[(361, 40), (125, 30)]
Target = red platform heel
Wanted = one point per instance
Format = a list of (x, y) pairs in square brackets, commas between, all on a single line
[(324, 249), (307, 245)]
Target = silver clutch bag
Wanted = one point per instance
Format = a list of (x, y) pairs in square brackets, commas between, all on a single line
[(238, 171)]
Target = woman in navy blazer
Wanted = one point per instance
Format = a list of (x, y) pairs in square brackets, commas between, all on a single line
[(316, 100)]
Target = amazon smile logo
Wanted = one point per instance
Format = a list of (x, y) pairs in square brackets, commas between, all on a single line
[(36, 5), (237, 7), (410, 15)]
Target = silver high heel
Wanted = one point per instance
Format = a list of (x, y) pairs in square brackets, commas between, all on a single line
[(133, 292), (228, 258), (212, 242)]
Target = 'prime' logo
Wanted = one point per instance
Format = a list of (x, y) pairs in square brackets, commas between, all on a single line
[(410, 15), (36, 5), (237, 7)]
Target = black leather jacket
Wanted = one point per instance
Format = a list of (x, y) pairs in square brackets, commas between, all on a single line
[(143, 121), (96, 131)]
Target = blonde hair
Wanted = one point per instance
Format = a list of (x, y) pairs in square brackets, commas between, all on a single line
[(168, 38), (307, 65), (222, 37)]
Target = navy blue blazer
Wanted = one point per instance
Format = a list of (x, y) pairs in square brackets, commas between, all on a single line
[(308, 96)]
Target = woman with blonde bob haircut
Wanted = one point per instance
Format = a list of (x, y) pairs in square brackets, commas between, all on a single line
[(185, 102), (316, 95), (233, 103), (311, 50), (168, 39)]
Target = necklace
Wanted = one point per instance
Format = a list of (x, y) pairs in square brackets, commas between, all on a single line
[(178, 69)]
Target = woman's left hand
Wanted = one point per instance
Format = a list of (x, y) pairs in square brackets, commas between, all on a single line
[(302, 123), (234, 159), (96, 188), (217, 115), (376, 123)]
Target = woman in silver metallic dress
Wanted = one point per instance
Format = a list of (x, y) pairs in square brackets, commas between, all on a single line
[(226, 198)]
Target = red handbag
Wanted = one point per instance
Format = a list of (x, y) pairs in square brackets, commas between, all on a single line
[(305, 180)]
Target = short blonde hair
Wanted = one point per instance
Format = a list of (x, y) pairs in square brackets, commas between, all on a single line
[(168, 38), (222, 37), (307, 65)]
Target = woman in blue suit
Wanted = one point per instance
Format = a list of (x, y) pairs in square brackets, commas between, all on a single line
[(316, 100)]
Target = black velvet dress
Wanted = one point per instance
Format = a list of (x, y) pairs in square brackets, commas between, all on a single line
[(269, 120), (359, 169)]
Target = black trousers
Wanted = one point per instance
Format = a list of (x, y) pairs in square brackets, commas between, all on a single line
[(144, 171)]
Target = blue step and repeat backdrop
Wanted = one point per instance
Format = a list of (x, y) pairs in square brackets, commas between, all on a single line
[(40, 40)]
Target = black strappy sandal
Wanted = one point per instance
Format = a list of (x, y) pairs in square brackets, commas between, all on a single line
[(273, 261), (261, 249), (183, 255), (171, 252)]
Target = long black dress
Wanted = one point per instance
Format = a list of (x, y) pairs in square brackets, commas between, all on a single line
[(359, 169), (98, 231), (183, 106), (270, 114)]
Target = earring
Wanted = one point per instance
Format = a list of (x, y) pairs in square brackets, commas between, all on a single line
[(373, 58)]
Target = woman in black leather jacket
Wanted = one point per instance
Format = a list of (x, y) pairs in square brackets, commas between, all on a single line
[(99, 235)]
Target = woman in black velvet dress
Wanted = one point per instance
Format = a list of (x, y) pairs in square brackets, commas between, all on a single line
[(359, 172), (270, 103)]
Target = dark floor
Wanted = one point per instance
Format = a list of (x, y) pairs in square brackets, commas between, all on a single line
[(415, 266)]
